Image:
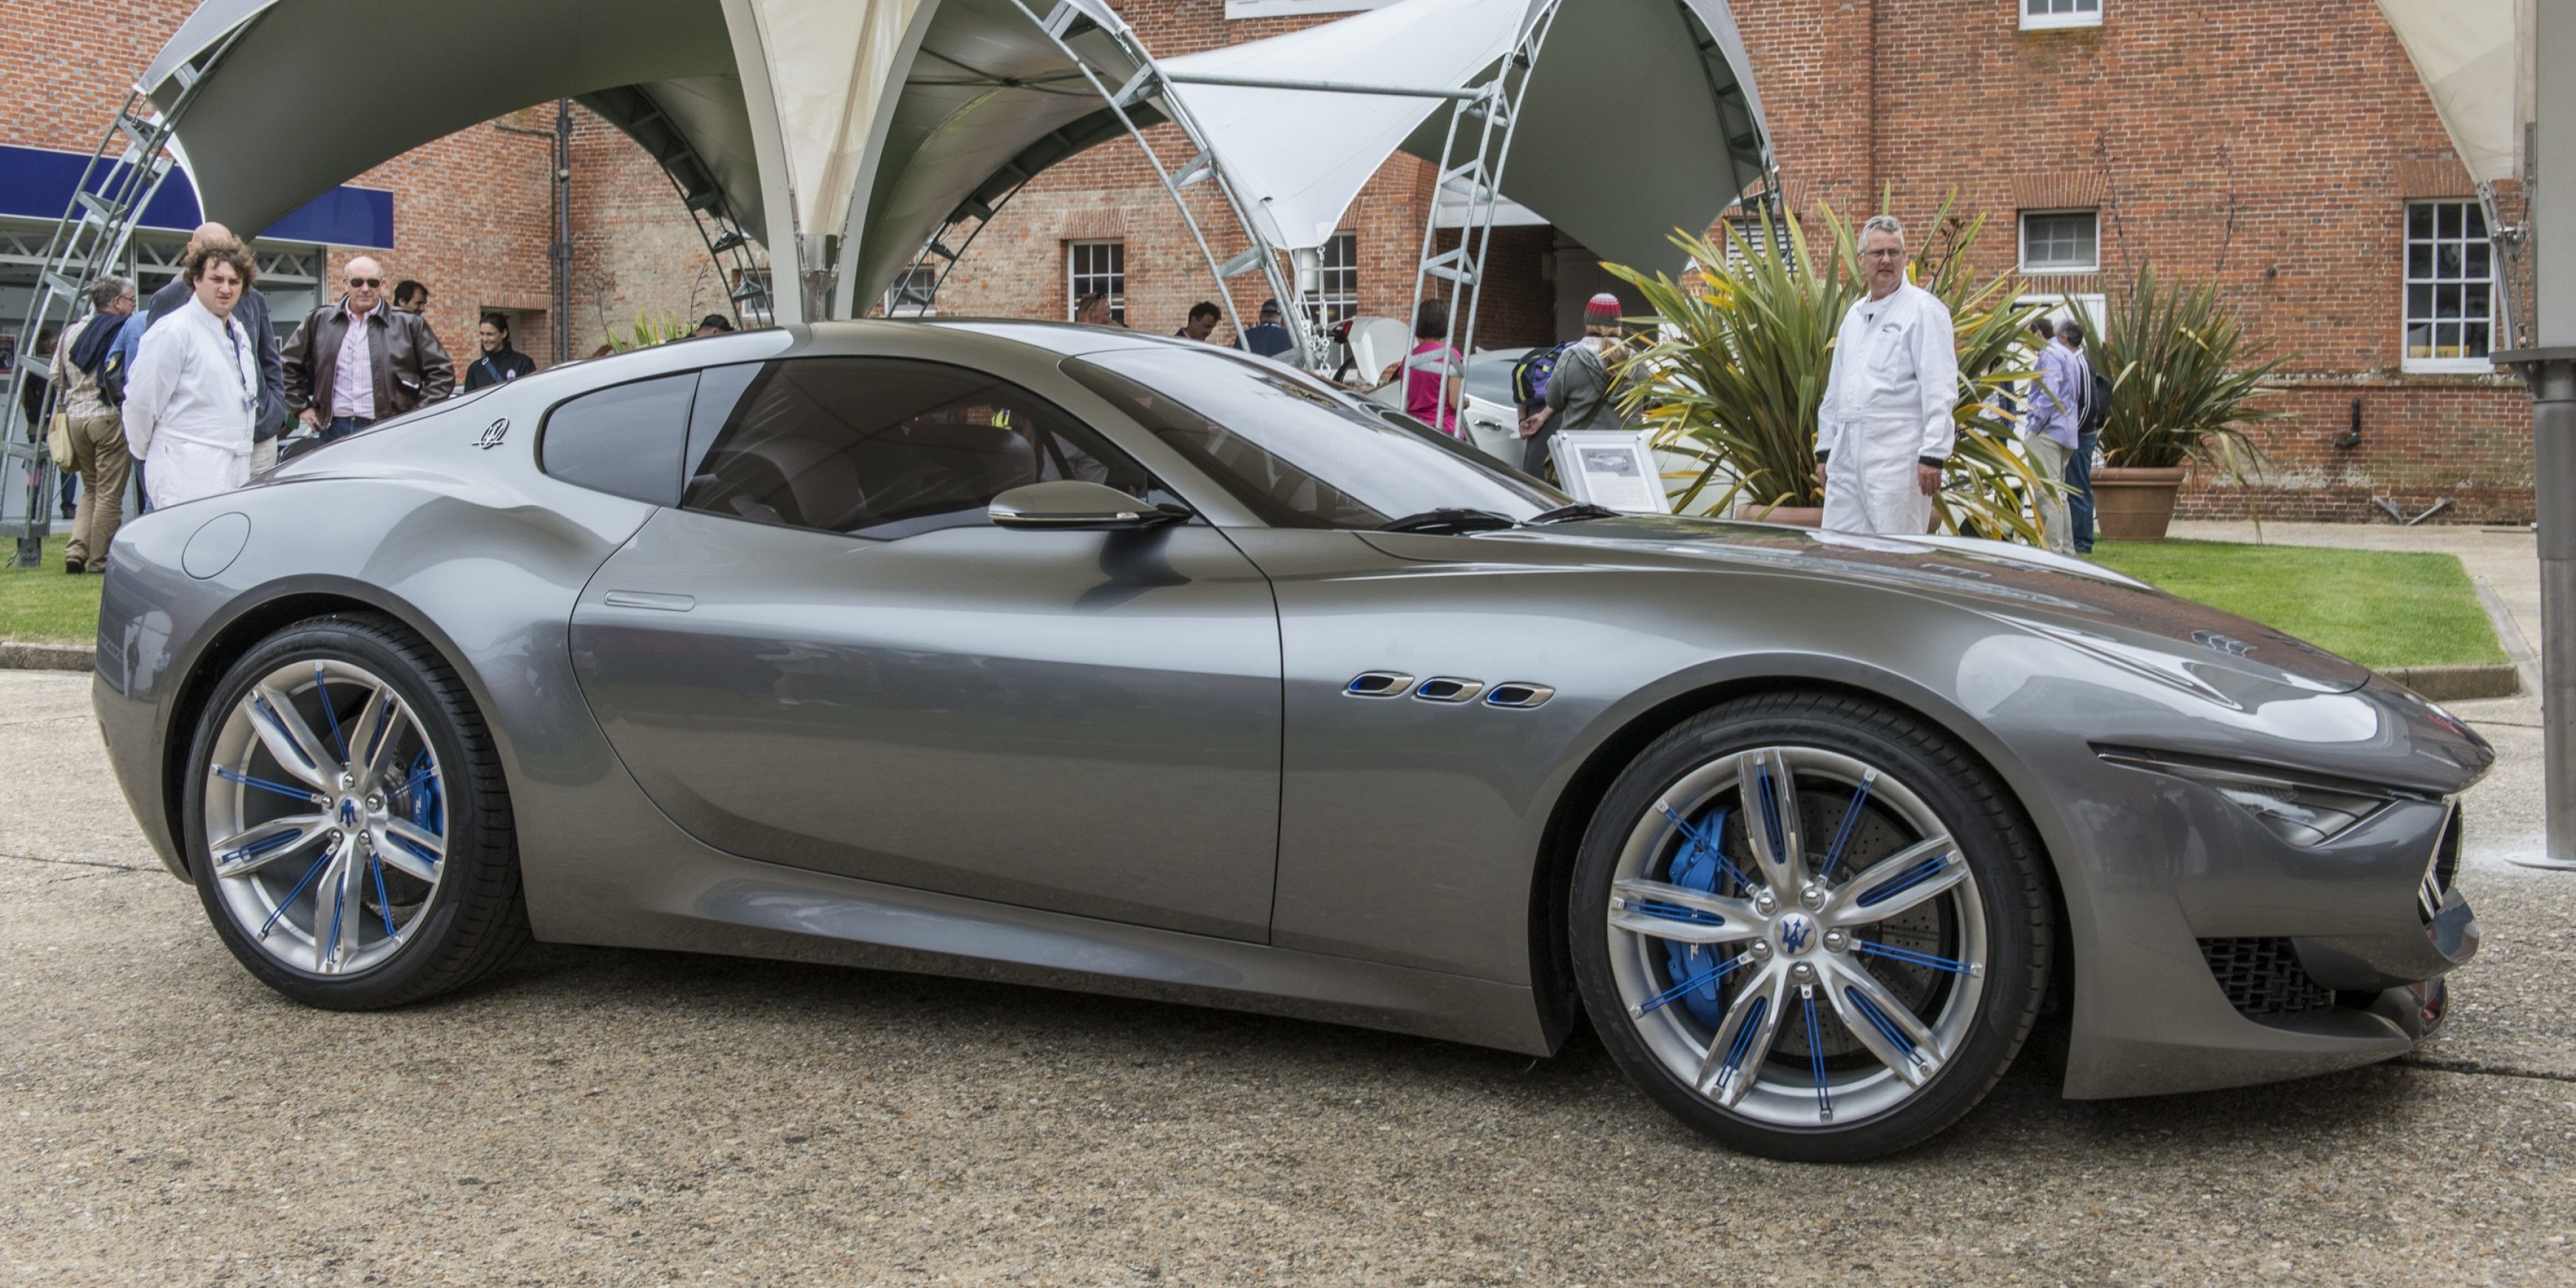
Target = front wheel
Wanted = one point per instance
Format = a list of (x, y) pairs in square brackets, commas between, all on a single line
[(346, 820), (1811, 927)]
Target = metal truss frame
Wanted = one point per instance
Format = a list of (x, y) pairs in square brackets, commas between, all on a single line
[(124, 173)]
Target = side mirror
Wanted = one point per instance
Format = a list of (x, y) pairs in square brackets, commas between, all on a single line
[(1077, 506)]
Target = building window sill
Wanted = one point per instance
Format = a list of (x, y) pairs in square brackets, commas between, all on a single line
[(2059, 21), (2448, 367)]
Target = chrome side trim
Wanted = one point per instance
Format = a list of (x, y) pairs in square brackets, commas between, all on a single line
[(1378, 684), (1448, 688), (1519, 695)]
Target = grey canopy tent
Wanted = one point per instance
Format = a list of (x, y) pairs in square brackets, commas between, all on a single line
[(846, 136), (861, 141)]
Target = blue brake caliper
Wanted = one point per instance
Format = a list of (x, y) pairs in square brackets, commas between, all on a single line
[(1697, 866)]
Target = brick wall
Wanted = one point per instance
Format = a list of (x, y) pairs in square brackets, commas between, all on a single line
[(2270, 149)]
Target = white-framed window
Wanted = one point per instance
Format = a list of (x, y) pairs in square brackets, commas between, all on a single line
[(910, 296), (1337, 281), (2450, 287), (1096, 266), (2061, 241), (2040, 15), (2086, 306)]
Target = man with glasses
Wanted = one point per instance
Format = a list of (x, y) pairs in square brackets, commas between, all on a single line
[(1885, 426), (357, 361), (252, 314)]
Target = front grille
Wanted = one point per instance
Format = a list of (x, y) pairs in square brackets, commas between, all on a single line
[(2263, 978), (2439, 873)]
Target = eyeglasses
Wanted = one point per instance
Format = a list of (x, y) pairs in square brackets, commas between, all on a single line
[(1884, 253), (369, 282)]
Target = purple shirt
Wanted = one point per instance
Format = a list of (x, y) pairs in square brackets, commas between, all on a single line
[(2055, 404)]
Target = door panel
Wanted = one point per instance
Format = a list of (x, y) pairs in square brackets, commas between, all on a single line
[(1086, 722)]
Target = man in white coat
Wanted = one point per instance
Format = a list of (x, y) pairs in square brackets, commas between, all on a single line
[(192, 400), (1885, 428)]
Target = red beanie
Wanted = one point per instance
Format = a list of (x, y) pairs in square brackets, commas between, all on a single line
[(1601, 310)]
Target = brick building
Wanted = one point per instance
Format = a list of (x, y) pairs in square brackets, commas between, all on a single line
[(2285, 153)]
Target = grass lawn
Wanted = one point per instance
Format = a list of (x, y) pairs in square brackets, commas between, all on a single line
[(2381, 608), (41, 605)]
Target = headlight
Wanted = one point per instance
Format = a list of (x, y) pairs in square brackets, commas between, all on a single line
[(2301, 813)]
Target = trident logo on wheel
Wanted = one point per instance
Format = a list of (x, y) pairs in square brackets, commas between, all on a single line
[(1795, 932)]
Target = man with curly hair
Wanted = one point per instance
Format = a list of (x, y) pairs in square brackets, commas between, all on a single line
[(192, 400)]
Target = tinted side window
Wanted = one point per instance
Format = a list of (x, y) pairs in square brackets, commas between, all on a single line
[(887, 448), (624, 440)]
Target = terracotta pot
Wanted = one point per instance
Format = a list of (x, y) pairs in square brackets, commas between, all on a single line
[(1795, 516), (2135, 505)]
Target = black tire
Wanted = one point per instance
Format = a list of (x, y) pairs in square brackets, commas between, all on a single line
[(474, 918), (1987, 829)]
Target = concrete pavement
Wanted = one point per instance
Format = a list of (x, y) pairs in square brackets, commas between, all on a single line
[(604, 1117)]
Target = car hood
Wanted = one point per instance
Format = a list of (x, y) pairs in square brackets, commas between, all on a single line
[(2090, 608)]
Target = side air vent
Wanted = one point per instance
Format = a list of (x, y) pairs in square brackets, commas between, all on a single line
[(1448, 688), (1378, 684), (1515, 693), (2263, 979)]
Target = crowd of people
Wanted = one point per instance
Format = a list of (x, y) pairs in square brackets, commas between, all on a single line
[(198, 406)]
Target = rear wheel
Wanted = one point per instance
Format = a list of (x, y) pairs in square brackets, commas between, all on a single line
[(346, 820), (1811, 927)]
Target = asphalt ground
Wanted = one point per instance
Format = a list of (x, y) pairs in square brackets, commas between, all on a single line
[(609, 1117)]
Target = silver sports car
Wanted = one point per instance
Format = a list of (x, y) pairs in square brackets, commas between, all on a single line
[(1112, 662)]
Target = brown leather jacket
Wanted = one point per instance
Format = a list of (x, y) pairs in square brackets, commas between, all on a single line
[(411, 367)]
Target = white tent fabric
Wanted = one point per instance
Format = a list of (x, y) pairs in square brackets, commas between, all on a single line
[(2472, 56), (1302, 156), (829, 68)]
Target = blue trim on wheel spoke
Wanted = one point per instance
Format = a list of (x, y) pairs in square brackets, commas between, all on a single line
[(384, 902), (289, 900), (304, 794), (1703, 843), (1744, 1037), (1769, 794), (1816, 1059), (322, 694), (1702, 980), (1906, 880), (1842, 834), (1885, 1026), (264, 846), (278, 722), (1669, 912), (1910, 957)]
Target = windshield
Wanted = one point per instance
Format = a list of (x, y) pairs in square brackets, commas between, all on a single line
[(1296, 451)]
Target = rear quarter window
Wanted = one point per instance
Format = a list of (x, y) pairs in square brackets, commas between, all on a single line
[(626, 440)]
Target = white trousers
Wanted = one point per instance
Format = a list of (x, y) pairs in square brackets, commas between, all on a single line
[(2048, 457), (181, 472), (1869, 480)]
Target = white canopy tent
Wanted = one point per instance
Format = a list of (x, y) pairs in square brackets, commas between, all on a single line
[(846, 134)]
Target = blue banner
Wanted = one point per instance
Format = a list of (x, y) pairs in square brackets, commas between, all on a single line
[(36, 183)]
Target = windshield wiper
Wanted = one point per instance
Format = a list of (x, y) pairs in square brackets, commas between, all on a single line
[(1578, 510), (1449, 521)]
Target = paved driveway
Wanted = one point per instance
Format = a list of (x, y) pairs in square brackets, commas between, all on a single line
[(618, 1117)]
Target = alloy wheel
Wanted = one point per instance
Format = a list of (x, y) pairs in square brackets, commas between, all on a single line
[(1796, 937), (325, 817)]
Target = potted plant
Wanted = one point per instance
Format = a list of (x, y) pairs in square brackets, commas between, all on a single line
[(1746, 345), (2185, 388)]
